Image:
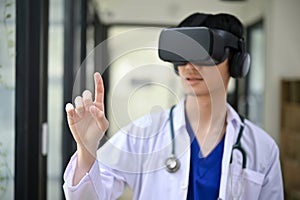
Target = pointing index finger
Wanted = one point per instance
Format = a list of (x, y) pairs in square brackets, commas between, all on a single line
[(99, 91)]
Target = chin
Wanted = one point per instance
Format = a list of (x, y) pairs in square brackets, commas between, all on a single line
[(197, 93)]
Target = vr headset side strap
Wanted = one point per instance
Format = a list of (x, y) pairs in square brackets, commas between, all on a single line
[(229, 39)]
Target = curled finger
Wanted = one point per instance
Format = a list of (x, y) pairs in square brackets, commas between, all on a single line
[(70, 113), (87, 99), (79, 105), (69, 109)]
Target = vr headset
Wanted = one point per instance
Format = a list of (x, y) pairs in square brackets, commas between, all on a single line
[(205, 47)]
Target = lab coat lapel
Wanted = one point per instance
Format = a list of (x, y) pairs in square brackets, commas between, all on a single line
[(233, 124), (182, 150)]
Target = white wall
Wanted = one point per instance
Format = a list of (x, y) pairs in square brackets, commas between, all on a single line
[(283, 49), (281, 20)]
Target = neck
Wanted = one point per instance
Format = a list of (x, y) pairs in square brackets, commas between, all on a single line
[(206, 114), (205, 109), (198, 108)]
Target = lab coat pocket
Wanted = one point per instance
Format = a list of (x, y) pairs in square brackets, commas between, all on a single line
[(245, 186)]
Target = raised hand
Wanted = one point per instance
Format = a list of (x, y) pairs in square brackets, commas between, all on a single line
[(87, 120)]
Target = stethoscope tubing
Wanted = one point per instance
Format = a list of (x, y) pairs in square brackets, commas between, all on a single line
[(172, 129), (238, 145)]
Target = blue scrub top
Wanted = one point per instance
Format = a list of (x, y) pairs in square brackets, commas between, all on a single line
[(205, 173)]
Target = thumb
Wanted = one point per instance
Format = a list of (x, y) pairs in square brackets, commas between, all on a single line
[(100, 118)]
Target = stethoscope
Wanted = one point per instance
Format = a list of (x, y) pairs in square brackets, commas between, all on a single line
[(172, 163)]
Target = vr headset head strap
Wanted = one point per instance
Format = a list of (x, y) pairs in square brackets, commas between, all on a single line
[(229, 40)]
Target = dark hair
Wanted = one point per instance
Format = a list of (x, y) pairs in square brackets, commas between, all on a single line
[(221, 21)]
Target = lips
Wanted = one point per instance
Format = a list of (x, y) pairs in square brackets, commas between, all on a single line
[(192, 80)]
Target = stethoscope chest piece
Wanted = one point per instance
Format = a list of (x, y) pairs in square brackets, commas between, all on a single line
[(172, 164)]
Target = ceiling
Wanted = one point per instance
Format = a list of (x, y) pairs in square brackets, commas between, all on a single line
[(167, 11)]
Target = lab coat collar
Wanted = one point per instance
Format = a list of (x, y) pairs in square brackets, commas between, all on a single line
[(179, 116), (233, 117)]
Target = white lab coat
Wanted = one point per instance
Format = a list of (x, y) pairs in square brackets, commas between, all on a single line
[(136, 154)]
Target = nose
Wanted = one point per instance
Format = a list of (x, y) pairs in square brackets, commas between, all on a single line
[(192, 66), (189, 66)]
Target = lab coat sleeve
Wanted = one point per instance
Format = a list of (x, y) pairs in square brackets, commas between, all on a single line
[(272, 187), (96, 184)]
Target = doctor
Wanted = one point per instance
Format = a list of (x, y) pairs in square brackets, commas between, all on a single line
[(199, 149)]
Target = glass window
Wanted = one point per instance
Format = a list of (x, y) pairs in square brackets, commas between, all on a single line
[(257, 73), (55, 99), (140, 83), (7, 100)]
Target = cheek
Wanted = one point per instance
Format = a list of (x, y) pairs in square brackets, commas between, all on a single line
[(215, 78), (180, 74), (225, 75), (180, 71), (224, 71)]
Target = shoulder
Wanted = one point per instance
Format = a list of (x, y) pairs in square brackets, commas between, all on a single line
[(259, 135), (141, 132), (262, 146), (252, 133), (153, 122)]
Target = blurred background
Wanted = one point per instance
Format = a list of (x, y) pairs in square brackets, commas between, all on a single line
[(49, 50)]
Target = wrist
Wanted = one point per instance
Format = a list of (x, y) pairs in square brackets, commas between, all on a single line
[(86, 156), (85, 161)]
